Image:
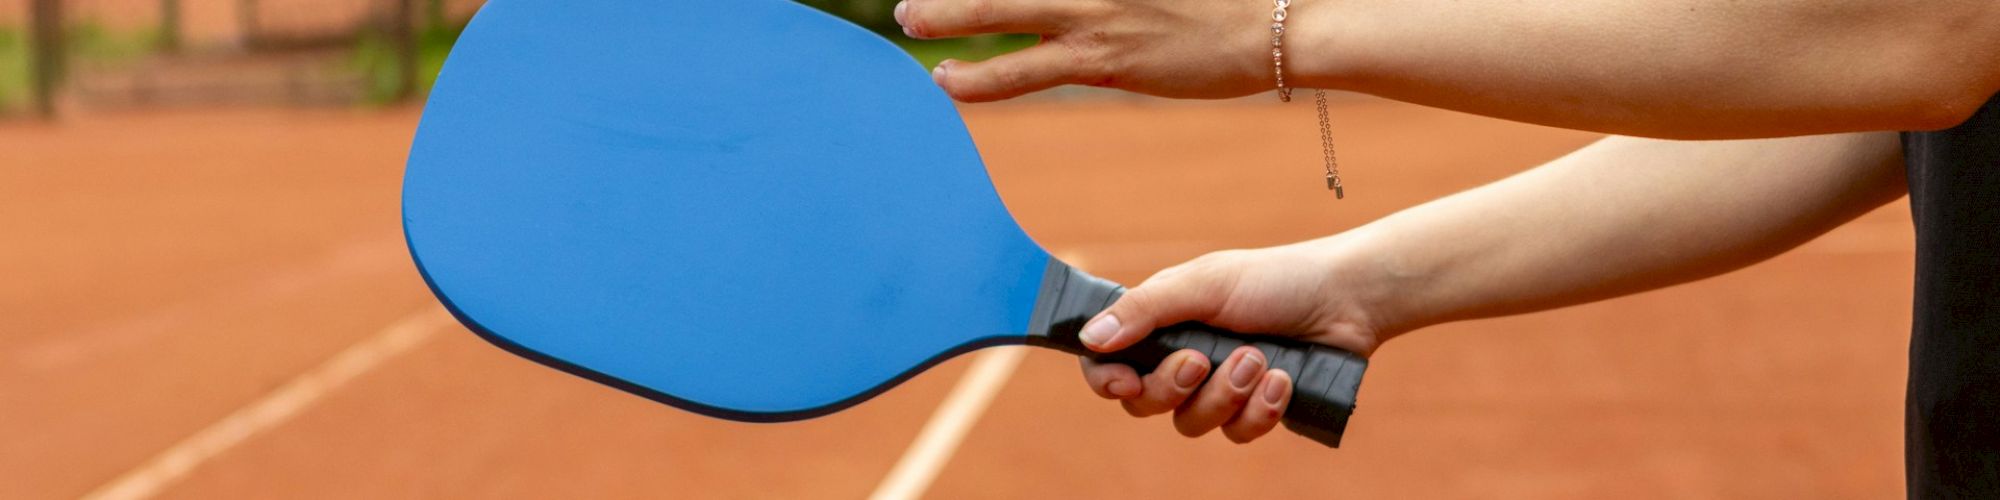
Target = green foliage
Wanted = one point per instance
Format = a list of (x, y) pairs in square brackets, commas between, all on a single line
[(14, 77), (877, 15), (85, 40), (880, 16), (375, 57), (980, 48), (432, 46), (90, 40)]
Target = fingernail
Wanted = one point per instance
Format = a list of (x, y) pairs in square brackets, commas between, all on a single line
[(1274, 389), (900, 8), (1098, 331), (1246, 370), (937, 75), (1122, 388), (909, 32), (1189, 374)]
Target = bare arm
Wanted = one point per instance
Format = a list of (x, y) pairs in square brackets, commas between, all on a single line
[(1708, 69), (1622, 216), (1618, 217), (1690, 69)]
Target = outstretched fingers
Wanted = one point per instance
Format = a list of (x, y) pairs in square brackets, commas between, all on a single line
[(953, 18)]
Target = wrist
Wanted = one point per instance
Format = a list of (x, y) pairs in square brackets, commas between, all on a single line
[(1321, 39), (1379, 283)]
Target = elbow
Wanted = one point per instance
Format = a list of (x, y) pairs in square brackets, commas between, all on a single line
[(1943, 109), (1940, 88), (1944, 71)]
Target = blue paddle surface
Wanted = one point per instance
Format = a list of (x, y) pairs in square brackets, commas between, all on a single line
[(747, 208)]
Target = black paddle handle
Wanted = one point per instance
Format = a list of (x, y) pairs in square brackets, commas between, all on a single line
[(1325, 380)]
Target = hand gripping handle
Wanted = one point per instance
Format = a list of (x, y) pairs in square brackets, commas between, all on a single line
[(1324, 379)]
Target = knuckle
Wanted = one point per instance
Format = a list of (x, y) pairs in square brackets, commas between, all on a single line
[(1147, 407), (916, 18), (1103, 390), (1100, 380), (1162, 276), (1220, 257), (1099, 67), (1134, 410), (1169, 271), (1085, 12), (1108, 387), (1088, 62), (1190, 430), (959, 86), (978, 12), (1238, 398), (1138, 300), (1196, 420), (1098, 37), (1012, 77), (1238, 436)]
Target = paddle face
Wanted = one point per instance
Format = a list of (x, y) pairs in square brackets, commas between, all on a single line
[(745, 208)]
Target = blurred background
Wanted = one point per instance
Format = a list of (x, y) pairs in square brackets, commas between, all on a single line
[(151, 53), (204, 294)]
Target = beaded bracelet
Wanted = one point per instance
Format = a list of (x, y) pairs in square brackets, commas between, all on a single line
[(1278, 16)]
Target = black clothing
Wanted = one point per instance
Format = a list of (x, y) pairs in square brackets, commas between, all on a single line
[(1952, 408)]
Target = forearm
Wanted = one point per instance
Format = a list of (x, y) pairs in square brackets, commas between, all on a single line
[(1692, 69), (1621, 216)]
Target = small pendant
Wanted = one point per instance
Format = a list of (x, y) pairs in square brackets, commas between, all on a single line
[(1333, 184)]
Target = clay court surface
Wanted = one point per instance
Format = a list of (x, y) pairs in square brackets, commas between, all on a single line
[(224, 296)]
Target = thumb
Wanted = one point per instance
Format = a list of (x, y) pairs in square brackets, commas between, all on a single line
[(1164, 300)]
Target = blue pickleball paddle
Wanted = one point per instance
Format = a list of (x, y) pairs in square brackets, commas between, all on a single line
[(747, 209)]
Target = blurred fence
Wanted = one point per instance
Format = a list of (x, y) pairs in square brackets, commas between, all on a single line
[(122, 53), (141, 53), (877, 15)]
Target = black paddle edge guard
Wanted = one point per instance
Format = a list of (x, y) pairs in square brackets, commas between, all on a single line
[(635, 389), (1325, 379)]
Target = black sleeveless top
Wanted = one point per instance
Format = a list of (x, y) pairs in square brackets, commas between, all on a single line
[(1952, 408)]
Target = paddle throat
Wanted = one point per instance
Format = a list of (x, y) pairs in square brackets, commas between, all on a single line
[(1069, 297)]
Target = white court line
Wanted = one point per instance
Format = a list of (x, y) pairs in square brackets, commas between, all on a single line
[(273, 409), (940, 437)]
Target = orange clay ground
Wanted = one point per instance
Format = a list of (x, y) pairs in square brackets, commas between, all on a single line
[(160, 271)]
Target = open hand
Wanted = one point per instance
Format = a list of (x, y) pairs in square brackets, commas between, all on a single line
[(1182, 49)]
